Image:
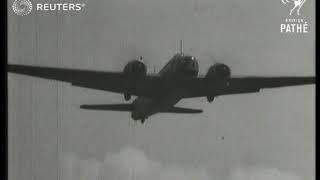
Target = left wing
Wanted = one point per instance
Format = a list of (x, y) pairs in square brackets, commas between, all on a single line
[(238, 85), (108, 81)]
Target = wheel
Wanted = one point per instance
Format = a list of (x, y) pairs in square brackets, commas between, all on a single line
[(210, 99), (127, 97)]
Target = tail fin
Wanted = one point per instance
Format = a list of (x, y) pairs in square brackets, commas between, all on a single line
[(108, 107)]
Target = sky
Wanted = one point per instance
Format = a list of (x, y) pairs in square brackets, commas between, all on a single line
[(268, 135)]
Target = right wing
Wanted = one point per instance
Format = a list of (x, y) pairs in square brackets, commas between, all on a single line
[(200, 87), (238, 85), (107, 81)]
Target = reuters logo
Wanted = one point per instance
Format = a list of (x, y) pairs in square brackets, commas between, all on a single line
[(22, 7)]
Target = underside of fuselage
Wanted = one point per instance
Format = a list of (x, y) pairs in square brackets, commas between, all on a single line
[(180, 66), (143, 107)]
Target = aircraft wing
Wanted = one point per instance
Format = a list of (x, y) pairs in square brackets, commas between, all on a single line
[(254, 84), (238, 85), (154, 85), (108, 81)]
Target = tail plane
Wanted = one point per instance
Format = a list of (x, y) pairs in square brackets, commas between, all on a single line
[(130, 107)]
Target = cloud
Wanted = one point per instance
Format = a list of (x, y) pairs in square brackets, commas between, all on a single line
[(261, 174), (127, 164), (133, 164)]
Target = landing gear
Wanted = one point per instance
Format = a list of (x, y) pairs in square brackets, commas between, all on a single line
[(127, 97), (138, 117), (210, 98)]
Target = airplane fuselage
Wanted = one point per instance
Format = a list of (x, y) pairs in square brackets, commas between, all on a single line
[(180, 66)]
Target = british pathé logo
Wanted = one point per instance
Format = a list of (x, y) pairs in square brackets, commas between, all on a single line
[(294, 23), (22, 7), (295, 4)]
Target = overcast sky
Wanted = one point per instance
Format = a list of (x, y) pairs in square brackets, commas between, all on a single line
[(269, 135)]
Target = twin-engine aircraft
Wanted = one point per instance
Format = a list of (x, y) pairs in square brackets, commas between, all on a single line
[(158, 93)]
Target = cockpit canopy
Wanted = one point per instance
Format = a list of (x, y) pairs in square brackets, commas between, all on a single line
[(189, 61), (182, 64)]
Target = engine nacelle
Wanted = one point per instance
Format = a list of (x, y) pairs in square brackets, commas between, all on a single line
[(218, 71), (133, 71), (217, 78)]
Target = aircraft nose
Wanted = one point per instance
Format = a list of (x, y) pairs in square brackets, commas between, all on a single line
[(190, 65), (186, 64)]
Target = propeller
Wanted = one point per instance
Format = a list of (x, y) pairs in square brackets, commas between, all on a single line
[(132, 52)]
